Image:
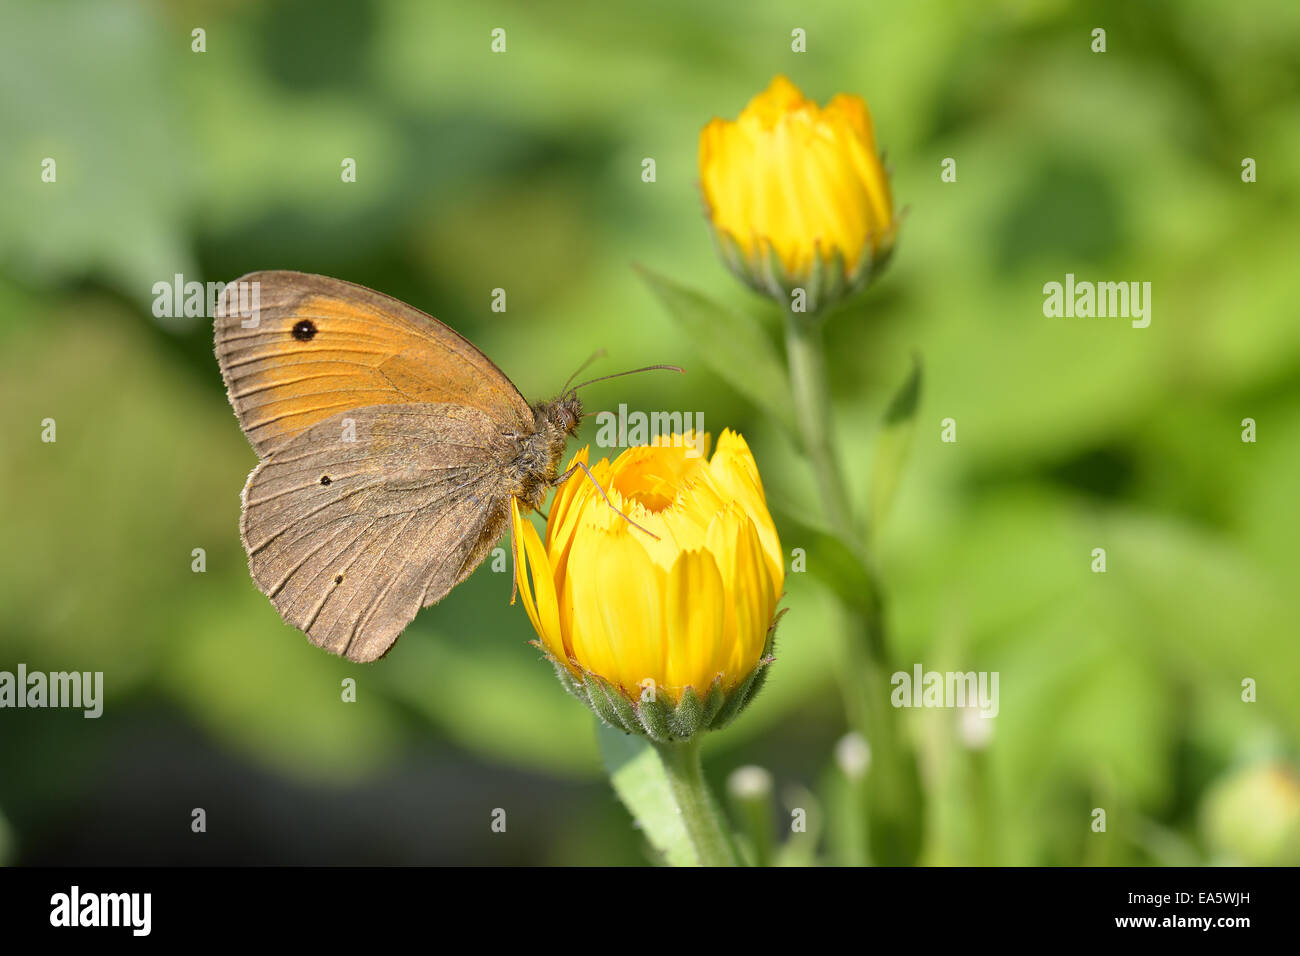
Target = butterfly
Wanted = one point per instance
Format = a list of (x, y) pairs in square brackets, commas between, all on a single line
[(390, 448)]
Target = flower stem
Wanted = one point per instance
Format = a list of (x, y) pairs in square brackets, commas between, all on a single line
[(891, 793), (705, 826), (806, 353)]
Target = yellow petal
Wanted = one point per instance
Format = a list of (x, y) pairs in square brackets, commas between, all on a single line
[(650, 474), (586, 511), (734, 471), (875, 184), (755, 601), (725, 175), (790, 183), (801, 181), (569, 507), (734, 543), (838, 196), (567, 492), (853, 111), (618, 609), (695, 620), (780, 97), (530, 556), (678, 610)]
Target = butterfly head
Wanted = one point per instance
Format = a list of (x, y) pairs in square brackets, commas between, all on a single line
[(566, 413)]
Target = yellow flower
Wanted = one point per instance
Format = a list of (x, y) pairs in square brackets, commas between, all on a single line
[(649, 619), (796, 193)]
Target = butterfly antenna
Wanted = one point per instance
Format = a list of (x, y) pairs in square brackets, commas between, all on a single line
[(599, 353), (648, 368)]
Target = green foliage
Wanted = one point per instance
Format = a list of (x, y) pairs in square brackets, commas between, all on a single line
[(522, 171), (637, 775), (892, 446), (732, 345)]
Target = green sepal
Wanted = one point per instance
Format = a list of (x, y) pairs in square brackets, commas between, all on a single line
[(772, 274), (562, 673), (652, 716), (745, 694), (599, 701), (830, 280), (687, 719), (818, 279), (622, 706), (735, 259), (760, 678), (735, 701), (713, 701), (653, 712)]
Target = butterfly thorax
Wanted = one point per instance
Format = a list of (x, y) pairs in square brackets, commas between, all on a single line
[(538, 463)]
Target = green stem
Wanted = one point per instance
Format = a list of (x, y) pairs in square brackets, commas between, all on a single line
[(983, 820), (705, 825), (891, 793), (806, 353)]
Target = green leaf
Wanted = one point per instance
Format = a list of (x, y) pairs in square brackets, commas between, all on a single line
[(830, 558), (893, 445), (732, 345), (640, 782)]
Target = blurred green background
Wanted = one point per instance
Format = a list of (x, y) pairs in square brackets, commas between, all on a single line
[(523, 171)]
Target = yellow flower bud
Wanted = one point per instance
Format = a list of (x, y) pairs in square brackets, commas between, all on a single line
[(797, 195), (654, 627)]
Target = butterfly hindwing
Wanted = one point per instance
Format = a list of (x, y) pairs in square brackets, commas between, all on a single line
[(296, 349), (357, 522)]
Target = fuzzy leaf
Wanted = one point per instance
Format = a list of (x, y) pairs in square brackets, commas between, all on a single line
[(732, 345), (893, 445), (639, 780), (830, 558)]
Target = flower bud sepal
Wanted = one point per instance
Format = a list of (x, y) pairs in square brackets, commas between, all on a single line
[(650, 713), (828, 282)]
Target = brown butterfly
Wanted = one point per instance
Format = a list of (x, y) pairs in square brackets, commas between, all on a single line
[(390, 449)]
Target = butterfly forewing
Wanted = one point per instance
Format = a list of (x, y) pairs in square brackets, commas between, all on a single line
[(296, 349), (357, 522)]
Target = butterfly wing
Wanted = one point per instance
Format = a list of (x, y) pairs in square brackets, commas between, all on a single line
[(295, 349), (356, 523)]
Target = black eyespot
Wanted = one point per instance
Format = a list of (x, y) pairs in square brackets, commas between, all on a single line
[(325, 479), (338, 579), (304, 330)]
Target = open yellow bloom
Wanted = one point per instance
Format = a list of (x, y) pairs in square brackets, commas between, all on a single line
[(796, 193), (649, 619)]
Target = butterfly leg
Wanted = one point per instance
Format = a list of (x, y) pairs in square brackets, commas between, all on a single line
[(578, 464), (514, 577)]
